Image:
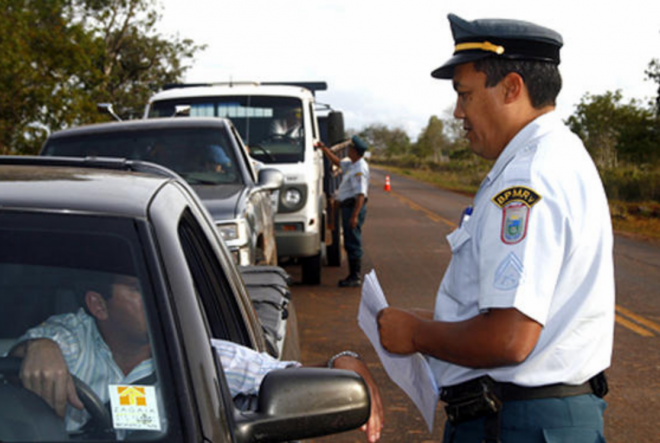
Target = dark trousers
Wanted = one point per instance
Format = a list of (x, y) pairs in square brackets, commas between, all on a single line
[(353, 237), (577, 419)]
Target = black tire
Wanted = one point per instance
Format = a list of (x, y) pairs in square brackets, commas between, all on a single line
[(311, 270)]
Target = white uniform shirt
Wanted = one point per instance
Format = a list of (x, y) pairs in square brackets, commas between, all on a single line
[(539, 240), (355, 180)]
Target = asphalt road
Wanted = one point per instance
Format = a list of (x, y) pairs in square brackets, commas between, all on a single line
[(404, 239)]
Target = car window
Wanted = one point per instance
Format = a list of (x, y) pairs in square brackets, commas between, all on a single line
[(202, 156), (271, 126), (80, 282), (217, 298)]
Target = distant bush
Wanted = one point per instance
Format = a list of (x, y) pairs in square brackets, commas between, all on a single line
[(632, 183)]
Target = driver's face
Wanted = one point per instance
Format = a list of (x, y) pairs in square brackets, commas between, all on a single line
[(126, 309)]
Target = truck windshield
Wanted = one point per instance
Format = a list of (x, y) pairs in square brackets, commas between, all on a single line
[(201, 156), (272, 127)]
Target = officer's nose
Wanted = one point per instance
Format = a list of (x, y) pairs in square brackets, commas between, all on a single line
[(458, 109)]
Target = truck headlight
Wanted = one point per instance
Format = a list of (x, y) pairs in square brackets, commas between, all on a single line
[(292, 198)]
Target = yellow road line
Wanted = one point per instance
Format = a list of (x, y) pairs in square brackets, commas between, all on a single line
[(633, 327), (430, 214), (641, 320)]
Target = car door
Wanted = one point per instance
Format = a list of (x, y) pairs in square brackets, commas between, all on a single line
[(204, 300)]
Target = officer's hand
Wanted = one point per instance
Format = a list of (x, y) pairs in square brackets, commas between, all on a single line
[(374, 425), (397, 330), (44, 372), (319, 145), (353, 222)]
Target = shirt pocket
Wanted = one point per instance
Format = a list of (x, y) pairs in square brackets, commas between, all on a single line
[(462, 284)]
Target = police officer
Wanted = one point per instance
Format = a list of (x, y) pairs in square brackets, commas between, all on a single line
[(522, 328), (352, 195)]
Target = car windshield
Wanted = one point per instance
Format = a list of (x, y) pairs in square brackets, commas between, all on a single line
[(78, 282), (272, 127), (201, 156)]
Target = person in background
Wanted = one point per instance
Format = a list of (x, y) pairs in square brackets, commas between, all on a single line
[(524, 317), (352, 195)]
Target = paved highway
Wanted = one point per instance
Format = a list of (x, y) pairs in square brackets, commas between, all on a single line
[(405, 243)]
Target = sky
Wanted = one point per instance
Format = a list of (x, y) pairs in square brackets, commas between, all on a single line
[(377, 55)]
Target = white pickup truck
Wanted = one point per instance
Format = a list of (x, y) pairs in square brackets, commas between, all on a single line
[(280, 123)]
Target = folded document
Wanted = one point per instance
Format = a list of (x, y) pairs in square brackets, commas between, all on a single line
[(411, 373)]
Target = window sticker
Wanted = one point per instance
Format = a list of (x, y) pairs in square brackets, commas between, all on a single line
[(134, 407)]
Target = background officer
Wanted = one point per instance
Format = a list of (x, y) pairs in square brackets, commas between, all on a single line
[(524, 317), (352, 195)]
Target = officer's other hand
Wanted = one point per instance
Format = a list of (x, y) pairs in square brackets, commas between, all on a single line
[(319, 145), (374, 425), (397, 329), (44, 372)]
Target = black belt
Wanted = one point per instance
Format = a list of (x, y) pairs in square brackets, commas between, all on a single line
[(483, 397)]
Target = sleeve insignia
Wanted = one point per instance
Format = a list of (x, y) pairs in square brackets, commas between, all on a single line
[(358, 174), (515, 203), (522, 194)]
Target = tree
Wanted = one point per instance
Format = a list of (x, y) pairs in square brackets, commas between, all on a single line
[(653, 73), (386, 140), (611, 130), (61, 57), (432, 142)]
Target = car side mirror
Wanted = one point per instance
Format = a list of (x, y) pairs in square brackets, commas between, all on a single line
[(270, 179), (305, 403)]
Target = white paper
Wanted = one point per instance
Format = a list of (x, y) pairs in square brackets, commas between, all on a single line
[(411, 373)]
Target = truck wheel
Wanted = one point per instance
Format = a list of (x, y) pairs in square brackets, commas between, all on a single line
[(311, 270), (334, 250)]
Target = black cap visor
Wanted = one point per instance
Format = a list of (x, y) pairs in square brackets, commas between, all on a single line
[(446, 71)]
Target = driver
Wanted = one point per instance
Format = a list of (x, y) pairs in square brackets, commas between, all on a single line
[(290, 126), (107, 342)]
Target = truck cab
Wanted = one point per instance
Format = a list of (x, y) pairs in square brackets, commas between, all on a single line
[(279, 124)]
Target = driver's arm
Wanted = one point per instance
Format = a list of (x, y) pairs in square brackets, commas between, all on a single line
[(44, 372)]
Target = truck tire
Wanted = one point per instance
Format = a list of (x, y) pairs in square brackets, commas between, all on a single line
[(311, 270), (334, 250)]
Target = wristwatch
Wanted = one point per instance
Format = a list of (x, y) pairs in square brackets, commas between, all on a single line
[(331, 362)]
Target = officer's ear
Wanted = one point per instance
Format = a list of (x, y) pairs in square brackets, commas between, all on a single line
[(514, 87), (96, 305)]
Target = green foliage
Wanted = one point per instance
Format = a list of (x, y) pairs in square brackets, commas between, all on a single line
[(613, 131), (386, 141), (61, 57)]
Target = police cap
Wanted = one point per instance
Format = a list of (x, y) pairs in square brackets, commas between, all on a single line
[(509, 39), (359, 145)]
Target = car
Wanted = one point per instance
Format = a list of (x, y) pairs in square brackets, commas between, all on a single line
[(67, 222), (208, 153)]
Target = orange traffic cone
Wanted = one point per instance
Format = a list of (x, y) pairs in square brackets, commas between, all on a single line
[(388, 188)]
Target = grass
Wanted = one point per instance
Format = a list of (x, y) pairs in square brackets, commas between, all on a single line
[(640, 220)]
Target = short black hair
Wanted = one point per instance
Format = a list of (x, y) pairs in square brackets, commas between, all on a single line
[(542, 79)]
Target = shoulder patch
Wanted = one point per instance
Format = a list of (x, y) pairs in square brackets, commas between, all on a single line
[(521, 194)]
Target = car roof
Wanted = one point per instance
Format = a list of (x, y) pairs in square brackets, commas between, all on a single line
[(143, 124), (69, 185)]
